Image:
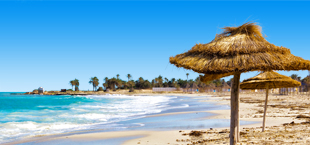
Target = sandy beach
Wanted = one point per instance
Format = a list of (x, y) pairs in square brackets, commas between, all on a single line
[(286, 123)]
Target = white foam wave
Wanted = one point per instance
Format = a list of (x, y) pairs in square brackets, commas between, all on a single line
[(13, 130), (105, 109)]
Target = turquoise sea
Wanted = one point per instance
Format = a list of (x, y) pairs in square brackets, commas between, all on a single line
[(30, 115), (24, 116)]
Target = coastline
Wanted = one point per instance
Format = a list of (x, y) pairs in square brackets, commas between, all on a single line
[(275, 122), (176, 105), (156, 115), (133, 137)]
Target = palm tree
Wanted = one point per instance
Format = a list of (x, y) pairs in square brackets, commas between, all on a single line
[(156, 81), (77, 84), (153, 83), (72, 83), (117, 76), (141, 80), (174, 83), (105, 84), (112, 82), (131, 84), (187, 75), (95, 82), (166, 80), (119, 83), (128, 76), (125, 84), (294, 76), (160, 80)]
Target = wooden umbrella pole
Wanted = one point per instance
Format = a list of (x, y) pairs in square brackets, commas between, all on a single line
[(265, 109), (234, 111), (238, 114)]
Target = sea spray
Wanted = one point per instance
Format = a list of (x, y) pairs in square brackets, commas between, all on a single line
[(31, 115)]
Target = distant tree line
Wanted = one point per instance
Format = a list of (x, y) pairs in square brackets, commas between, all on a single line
[(116, 83)]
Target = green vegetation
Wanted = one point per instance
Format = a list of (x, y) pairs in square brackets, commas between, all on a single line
[(117, 83), (129, 76), (100, 89), (75, 83), (95, 82)]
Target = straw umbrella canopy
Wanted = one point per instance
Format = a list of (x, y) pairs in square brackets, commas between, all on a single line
[(211, 87), (225, 86), (194, 86), (187, 86), (268, 80), (237, 50)]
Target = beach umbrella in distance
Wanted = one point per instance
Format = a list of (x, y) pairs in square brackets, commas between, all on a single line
[(268, 80), (187, 87), (237, 50)]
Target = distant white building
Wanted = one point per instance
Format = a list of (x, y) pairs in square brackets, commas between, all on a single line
[(41, 90), (161, 89)]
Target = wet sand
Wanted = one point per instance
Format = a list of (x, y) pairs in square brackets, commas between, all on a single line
[(290, 110), (287, 122)]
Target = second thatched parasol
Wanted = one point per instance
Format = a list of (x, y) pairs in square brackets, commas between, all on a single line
[(237, 50), (268, 80)]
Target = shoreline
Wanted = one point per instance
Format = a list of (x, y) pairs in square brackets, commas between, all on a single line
[(122, 91), (101, 136), (163, 113), (172, 136), (174, 107)]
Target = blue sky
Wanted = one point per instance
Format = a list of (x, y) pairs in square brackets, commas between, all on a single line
[(49, 43)]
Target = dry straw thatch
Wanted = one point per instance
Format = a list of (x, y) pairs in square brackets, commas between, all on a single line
[(194, 86), (273, 79), (239, 49), (225, 85), (191, 87), (187, 86), (268, 80), (211, 85)]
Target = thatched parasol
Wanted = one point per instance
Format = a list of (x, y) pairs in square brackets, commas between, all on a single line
[(187, 87), (236, 50), (194, 86), (268, 80), (225, 86), (273, 79), (211, 87)]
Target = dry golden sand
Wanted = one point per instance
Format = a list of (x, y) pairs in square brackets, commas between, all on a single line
[(287, 123), (282, 109)]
